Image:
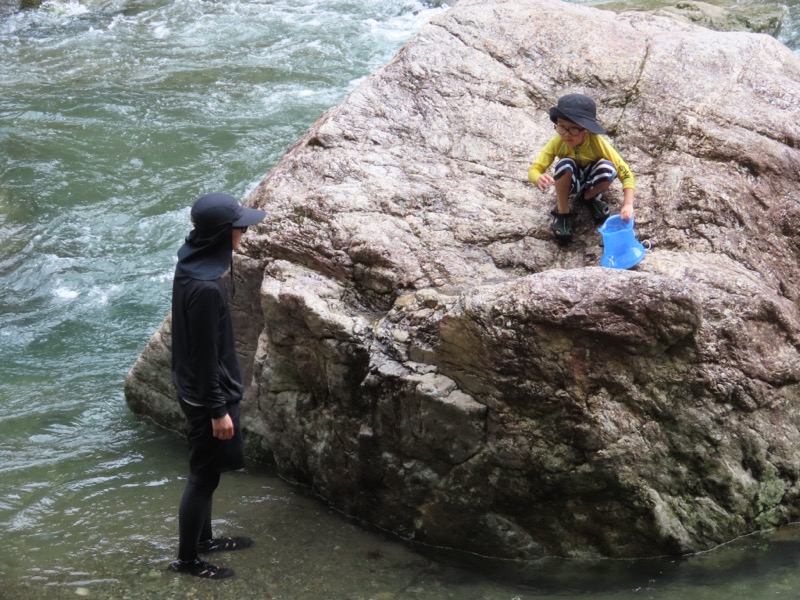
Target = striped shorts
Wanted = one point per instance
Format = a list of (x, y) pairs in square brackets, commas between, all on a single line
[(586, 177)]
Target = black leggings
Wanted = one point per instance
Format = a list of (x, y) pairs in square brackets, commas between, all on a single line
[(194, 515)]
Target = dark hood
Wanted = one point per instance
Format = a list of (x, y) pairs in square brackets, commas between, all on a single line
[(206, 254)]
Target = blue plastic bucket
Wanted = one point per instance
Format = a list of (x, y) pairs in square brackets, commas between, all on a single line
[(621, 249)]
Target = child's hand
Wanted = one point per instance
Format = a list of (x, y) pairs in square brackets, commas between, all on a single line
[(545, 180), (626, 212)]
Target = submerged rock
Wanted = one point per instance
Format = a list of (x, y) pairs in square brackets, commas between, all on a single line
[(426, 358), (720, 15), (740, 16)]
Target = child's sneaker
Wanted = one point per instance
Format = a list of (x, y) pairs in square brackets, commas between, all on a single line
[(199, 568), (599, 209), (561, 226)]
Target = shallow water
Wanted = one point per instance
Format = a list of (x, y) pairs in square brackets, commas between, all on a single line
[(113, 117)]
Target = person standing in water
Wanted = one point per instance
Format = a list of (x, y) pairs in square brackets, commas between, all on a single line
[(206, 373)]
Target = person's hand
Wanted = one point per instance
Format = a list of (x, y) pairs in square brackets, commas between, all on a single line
[(222, 428), (545, 181), (626, 212)]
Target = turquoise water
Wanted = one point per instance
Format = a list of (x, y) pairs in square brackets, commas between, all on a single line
[(113, 117)]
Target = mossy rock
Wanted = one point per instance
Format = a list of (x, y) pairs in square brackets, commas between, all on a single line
[(720, 16)]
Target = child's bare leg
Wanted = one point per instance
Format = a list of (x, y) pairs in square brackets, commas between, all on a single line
[(563, 185), (591, 192)]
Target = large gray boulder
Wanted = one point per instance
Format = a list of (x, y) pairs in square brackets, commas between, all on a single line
[(423, 355)]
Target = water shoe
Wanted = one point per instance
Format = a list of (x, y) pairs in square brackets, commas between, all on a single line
[(199, 568), (224, 544), (561, 226), (599, 209)]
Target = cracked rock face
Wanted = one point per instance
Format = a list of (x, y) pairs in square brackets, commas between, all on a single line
[(422, 354)]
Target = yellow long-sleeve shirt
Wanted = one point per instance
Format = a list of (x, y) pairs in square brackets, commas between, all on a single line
[(593, 149)]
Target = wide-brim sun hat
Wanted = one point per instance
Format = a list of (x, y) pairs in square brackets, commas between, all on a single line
[(207, 251), (216, 209), (579, 109)]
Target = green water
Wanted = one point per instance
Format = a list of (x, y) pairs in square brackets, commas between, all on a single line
[(114, 116)]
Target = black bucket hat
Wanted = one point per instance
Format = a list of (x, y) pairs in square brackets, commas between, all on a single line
[(212, 211), (579, 109)]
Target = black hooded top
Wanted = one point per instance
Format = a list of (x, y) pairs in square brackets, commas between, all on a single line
[(205, 369)]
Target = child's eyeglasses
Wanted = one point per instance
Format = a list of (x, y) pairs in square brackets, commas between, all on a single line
[(561, 130)]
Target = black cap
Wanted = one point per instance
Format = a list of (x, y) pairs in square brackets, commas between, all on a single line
[(216, 209), (579, 109)]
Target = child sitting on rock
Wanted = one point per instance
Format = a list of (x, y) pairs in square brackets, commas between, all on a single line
[(587, 165)]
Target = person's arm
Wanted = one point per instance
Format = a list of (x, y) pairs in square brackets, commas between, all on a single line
[(537, 171), (627, 204), (624, 174), (203, 318), (203, 322)]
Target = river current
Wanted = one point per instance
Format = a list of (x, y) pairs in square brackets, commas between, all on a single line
[(114, 116)]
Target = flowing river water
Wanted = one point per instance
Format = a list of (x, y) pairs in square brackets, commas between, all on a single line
[(114, 116)]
